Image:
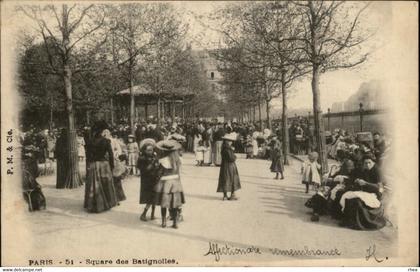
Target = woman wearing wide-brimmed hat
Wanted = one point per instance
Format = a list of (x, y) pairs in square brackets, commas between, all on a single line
[(100, 193), (168, 190), (148, 164), (228, 176)]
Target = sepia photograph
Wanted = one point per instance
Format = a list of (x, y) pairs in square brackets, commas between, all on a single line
[(209, 133)]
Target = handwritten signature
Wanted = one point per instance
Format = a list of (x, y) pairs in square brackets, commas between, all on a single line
[(371, 252)]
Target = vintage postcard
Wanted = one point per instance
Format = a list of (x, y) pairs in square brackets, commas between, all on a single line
[(182, 133)]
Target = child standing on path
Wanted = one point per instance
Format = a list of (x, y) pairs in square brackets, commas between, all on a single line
[(133, 155), (310, 171), (277, 164)]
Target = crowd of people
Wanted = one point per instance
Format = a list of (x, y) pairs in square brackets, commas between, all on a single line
[(154, 152), (353, 191)]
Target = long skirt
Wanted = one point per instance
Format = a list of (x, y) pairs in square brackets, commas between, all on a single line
[(61, 173), (207, 156), (217, 153), (132, 158), (277, 165), (147, 193), (169, 194), (357, 215), (119, 189), (254, 148), (199, 155), (100, 192), (190, 144), (228, 178)]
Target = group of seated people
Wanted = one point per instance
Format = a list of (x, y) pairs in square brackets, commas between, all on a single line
[(351, 193)]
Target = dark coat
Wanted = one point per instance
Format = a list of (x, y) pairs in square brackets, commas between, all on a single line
[(277, 164), (373, 179), (61, 153), (228, 176), (149, 168), (99, 149)]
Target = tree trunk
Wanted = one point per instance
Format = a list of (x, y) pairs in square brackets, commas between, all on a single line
[(259, 113), (319, 120), (132, 103), (136, 110), (267, 103), (112, 112), (145, 111), (51, 114), (158, 110), (73, 178), (173, 111), (183, 109), (284, 125), (88, 117), (163, 110)]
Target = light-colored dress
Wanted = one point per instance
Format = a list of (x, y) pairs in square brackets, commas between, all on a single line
[(207, 155), (197, 138), (255, 143), (199, 153), (81, 146), (310, 173), (133, 153)]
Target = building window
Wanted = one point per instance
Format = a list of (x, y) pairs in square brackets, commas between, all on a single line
[(212, 75)]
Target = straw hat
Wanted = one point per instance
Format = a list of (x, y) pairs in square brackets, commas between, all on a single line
[(168, 145), (230, 137), (147, 141)]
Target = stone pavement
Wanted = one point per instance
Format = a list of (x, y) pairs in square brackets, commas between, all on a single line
[(269, 214)]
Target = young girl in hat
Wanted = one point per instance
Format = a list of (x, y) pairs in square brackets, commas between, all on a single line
[(310, 171), (148, 164), (277, 164), (168, 191), (199, 153)]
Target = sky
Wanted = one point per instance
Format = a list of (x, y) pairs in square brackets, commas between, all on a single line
[(335, 86)]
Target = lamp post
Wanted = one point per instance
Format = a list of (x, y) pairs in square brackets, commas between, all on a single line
[(361, 116)]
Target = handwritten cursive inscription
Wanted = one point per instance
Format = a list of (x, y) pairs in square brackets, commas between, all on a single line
[(217, 251)]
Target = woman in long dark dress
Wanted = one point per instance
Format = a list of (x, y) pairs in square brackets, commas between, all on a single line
[(277, 164), (100, 193), (61, 153), (361, 205), (148, 164), (228, 176)]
